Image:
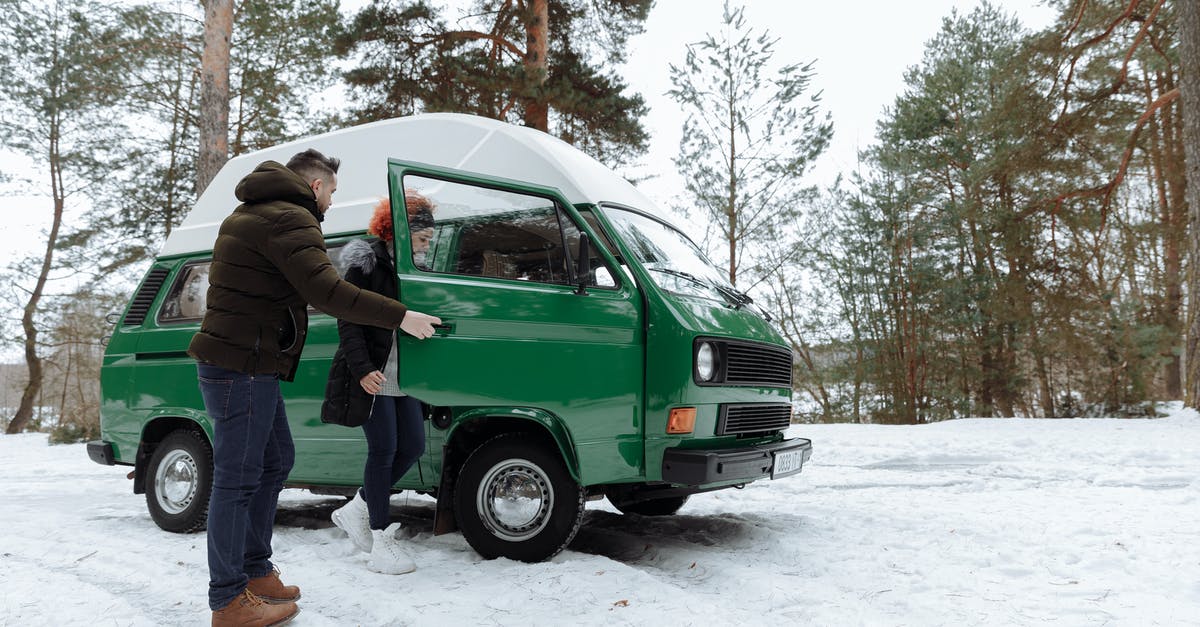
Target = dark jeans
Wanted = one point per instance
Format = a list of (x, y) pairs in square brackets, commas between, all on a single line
[(395, 440), (252, 455)]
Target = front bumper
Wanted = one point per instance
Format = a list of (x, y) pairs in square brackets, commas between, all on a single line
[(697, 467), (101, 452)]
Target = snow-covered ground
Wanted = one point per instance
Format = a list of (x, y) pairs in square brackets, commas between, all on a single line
[(996, 522)]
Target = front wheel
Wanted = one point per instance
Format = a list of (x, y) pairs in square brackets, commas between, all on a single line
[(179, 481), (515, 499)]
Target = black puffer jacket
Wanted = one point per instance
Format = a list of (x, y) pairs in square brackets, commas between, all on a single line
[(361, 349), (269, 260)]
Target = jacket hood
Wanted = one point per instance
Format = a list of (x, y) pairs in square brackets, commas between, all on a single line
[(359, 254), (272, 181)]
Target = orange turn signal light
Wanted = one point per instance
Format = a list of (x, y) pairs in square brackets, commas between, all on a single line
[(681, 420)]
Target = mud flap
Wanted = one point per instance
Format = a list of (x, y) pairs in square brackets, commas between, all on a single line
[(443, 515)]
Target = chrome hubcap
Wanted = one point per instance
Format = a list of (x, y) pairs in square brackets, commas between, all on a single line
[(175, 482), (514, 499)]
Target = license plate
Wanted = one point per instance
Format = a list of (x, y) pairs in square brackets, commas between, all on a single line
[(787, 463)]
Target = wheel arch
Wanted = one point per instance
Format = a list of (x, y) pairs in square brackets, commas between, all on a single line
[(153, 433), (476, 426)]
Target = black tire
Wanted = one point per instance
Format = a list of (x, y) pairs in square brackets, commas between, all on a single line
[(179, 481), (657, 507), (537, 479)]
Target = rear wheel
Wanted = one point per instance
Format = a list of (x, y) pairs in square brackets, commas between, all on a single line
[(514, 498), (179, 481)]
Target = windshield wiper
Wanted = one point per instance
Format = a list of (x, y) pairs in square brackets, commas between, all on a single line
[(735, 297), (738, 298), (680, 273)]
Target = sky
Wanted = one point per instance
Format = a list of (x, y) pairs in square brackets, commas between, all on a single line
[(1007, 522), (861, 51)]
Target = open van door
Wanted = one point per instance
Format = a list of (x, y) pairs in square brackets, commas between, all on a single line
[(528, 332)]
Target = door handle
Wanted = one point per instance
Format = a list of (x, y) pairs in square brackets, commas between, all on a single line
[(443, 329)]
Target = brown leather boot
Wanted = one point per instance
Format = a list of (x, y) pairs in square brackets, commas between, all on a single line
[(271, 589), (247, 610)]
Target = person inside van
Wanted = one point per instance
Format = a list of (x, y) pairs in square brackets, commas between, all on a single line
[(269, 262), (363, 389)]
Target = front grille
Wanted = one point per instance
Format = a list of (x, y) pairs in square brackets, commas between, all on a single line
[(756, 418), (145, 296), (758, 364)]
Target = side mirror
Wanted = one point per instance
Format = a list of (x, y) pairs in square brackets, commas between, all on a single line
[(584, 269)]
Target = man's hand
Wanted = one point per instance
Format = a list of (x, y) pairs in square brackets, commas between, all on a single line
[(419, 325), (372, 382)]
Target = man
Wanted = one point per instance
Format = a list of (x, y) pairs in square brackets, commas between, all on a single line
[(269, 262)]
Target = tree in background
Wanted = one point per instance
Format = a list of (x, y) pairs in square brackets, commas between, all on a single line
[(79, 88), (75, 350), (1013, 241), (1115, 72), (548, 64), (280, 59), (213, 118), (64, 68), (1189, 87), (749, 136)]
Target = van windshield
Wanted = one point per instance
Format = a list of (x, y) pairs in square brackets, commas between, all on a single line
[(674, 262)]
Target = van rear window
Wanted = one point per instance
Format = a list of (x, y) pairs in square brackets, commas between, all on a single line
[(186, 300)]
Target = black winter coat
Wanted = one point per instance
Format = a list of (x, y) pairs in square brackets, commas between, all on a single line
[(361, 349), (268, 261)]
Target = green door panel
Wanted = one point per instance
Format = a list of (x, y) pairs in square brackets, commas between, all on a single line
[(523, 343)]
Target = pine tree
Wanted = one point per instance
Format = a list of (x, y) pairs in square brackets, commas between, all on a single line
[(749, 136), (1189, 58), (548, 64)]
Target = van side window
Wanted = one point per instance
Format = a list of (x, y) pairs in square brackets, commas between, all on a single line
[(486, 232), (187, 299)]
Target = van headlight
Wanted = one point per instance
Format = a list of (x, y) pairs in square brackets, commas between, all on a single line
[(706, 361)]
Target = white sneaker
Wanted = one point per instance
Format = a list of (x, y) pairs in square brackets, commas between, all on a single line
[(387, 555), (354, 519)]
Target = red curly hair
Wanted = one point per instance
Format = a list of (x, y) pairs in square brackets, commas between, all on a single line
[(381, 221)]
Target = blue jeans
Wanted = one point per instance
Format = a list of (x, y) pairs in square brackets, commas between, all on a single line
[(252, 455), (395, 440)]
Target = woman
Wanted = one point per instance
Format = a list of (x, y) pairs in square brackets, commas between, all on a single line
[(364, 390)]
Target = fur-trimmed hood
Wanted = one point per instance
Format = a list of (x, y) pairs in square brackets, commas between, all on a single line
[(363, 254)]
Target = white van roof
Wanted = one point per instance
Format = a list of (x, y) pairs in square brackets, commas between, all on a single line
[(450, 140)]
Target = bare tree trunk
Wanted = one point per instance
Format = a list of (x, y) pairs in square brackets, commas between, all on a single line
[(33, 363), (1045, 395), (537, 47), (1189, 88), (731, 206), (213, 120)]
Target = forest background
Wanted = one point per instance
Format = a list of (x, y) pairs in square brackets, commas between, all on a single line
[(1016, 240)]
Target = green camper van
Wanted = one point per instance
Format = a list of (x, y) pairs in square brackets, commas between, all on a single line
[(588, 349)]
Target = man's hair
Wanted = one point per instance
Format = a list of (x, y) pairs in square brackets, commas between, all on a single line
[(311, 164)]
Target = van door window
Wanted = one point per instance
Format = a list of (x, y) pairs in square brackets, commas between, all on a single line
[(486, 232)]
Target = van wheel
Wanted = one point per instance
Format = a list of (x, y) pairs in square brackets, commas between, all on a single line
[(656, 507), (179, 481), (515, 499)]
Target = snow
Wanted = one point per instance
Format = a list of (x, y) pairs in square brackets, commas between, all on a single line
[(969, 522)]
